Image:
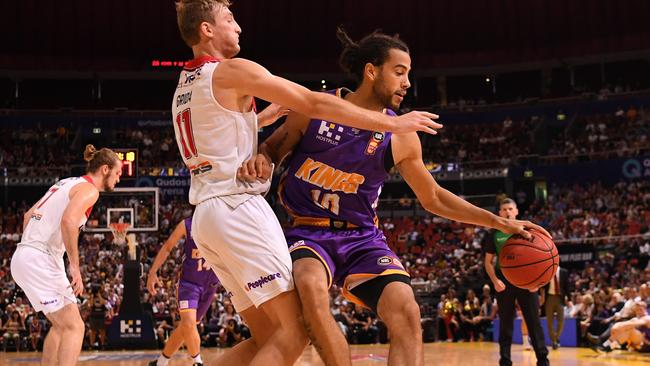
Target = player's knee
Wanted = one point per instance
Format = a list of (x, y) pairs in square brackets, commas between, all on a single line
[(311, 287), (403, 318), (73, 326)]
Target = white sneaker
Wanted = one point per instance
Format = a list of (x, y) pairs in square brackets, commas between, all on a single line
[(527, 346)]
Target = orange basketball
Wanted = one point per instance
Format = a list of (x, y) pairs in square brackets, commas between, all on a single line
[(529, 264)]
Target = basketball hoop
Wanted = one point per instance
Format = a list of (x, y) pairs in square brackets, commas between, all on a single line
[(119, 230)]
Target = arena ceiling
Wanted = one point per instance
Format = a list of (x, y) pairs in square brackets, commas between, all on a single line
[(299, 35)]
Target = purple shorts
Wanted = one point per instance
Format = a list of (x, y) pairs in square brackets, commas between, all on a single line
[(349, 256), (196, 297)]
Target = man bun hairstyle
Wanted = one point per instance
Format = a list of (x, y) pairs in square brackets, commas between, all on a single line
[(373, 48), (191, 13), (96, 158)]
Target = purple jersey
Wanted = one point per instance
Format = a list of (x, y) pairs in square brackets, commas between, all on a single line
[(195, 268), (336, 172)]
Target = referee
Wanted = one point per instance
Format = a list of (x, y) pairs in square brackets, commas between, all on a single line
[(508, 293)]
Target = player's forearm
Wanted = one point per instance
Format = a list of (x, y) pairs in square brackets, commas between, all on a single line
[(448, 205), (271, 155), (161, 257), (489, 269), (331, 108), (70, 236)]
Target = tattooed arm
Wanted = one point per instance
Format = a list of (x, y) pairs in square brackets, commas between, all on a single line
[(285, 138), (274, 149)]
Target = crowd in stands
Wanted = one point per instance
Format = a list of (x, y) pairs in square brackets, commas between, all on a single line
[(51, 150), (444, 258), (623, 133)]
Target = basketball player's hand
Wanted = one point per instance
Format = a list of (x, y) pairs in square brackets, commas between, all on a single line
[(416, 121), (271, 114), (256, 168), (499, 286), (152, 282), (521, 227), (76, 283)]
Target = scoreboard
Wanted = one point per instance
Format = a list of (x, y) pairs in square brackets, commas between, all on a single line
[(129, 158)]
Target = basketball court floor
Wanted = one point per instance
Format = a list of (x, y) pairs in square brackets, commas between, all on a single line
[(465, 354)]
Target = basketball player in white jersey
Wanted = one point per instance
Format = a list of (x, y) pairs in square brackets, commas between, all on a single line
[(216, 131), (50, 229)]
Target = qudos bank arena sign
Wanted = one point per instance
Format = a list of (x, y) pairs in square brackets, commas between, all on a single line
[(636, 168)]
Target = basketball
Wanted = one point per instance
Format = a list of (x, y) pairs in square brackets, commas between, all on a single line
[(529, 264)]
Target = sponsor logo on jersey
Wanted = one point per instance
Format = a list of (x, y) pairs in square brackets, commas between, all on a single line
[(327, 177), (262, 281), (191, 76), (37, 216), (375, 140), (329, 132), (299, 243), (200, 168)]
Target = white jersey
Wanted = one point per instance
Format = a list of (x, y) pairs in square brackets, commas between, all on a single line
[(213, 141), (43, 230)]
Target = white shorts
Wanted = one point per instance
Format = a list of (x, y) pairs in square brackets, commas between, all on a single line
[(43, 279), (246, 248)]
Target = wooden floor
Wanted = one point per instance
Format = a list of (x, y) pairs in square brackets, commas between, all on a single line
[(466, 354)]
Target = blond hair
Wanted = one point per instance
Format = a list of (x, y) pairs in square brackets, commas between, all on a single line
[(97, 158), (191, 13)]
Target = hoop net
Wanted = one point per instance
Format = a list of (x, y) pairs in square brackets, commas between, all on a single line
[(119, 230)]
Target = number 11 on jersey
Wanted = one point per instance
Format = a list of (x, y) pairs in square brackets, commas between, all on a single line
[(329, 201)]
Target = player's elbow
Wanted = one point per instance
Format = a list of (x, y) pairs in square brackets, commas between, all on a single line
[(313, 105), (431, 203), (68, 221)]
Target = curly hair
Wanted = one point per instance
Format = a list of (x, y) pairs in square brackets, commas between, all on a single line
[(373, 48)]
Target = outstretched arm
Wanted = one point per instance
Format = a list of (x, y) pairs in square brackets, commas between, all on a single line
[(248, 78), (407, 154), (271, 114), (161, 257)]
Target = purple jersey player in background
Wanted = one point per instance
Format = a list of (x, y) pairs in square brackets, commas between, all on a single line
[(331, 189), (197, 286)]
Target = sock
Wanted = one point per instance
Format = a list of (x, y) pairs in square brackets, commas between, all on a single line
[(197, 358), (606, 343), (163, 360)]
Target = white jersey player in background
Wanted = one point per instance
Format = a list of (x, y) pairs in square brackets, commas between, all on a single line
[(234, 227), (50, 229)]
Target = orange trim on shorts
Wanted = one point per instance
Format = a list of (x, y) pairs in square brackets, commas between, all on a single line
[(327, 268), (320, 222), (280, 190), (367, 276), (324, 222)]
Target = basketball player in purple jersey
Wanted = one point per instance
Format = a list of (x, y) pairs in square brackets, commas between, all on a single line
[(197, 286), (330, 190)]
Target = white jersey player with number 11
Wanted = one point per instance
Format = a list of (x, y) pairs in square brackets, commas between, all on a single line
[(51, 229)]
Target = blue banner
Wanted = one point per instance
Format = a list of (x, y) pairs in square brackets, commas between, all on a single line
[(169, 186), (606, 171)]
